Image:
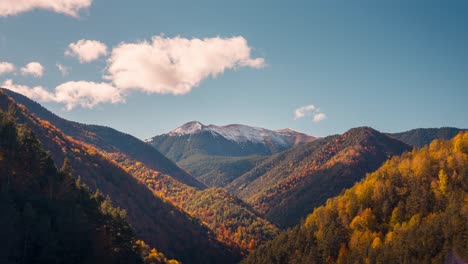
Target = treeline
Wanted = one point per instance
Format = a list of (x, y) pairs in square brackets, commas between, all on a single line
[(411, 210), (49, 217)]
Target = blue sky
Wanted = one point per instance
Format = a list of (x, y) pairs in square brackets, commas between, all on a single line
[(391, 65)]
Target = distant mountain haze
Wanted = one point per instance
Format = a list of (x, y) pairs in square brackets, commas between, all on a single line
[(422, 136)]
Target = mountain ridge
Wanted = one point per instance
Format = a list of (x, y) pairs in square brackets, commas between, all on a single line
[(100, 136), (412, 209), (158, 222), (420, 137), (241, 229), (309, 174), (240, 133)]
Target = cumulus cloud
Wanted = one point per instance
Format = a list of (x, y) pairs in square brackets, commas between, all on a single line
[(86, 50), (67, 7), (72, 94), (6, 67), (309, 110), (319, 117), (164, 66), (86, 94), (176, 65), (63, 70), (36, 93), (34, 69)]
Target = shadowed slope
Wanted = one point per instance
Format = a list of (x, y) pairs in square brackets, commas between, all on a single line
[(161, 224), (109, 140)]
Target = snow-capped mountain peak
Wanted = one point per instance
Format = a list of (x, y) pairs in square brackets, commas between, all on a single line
[(242, 133), (188, 128)]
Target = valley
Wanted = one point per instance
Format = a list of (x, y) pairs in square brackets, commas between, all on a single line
[(234, 190)]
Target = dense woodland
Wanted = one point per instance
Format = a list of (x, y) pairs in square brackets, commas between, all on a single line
[(159, 223), (232, 220), (53, 217), (48, 217), (288, 186), (219, 171), (413, 209), (104, 151)]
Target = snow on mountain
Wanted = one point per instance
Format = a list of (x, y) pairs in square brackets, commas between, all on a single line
[(186, 129), (242, 133)]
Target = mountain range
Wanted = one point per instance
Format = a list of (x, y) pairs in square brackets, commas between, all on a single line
[(128, 164), (224, 191)]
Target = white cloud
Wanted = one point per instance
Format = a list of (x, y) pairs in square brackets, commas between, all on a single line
[(63, 70), (86, 94), (86, 50), (301, 111), (309, 110), (176, 65), (319, 117), (67, 7), (34, 69), (72, 94), (36, 93), (6, 67), (165, 66)]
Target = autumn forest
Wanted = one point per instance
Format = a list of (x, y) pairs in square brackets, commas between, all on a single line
[(360, 197)]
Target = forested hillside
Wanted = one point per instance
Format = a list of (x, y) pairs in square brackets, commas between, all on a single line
[(48, 217), (288, 186), (159, 223), (108, 140), (232, 220), (413, 209), (219, 171), (209, 216)]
